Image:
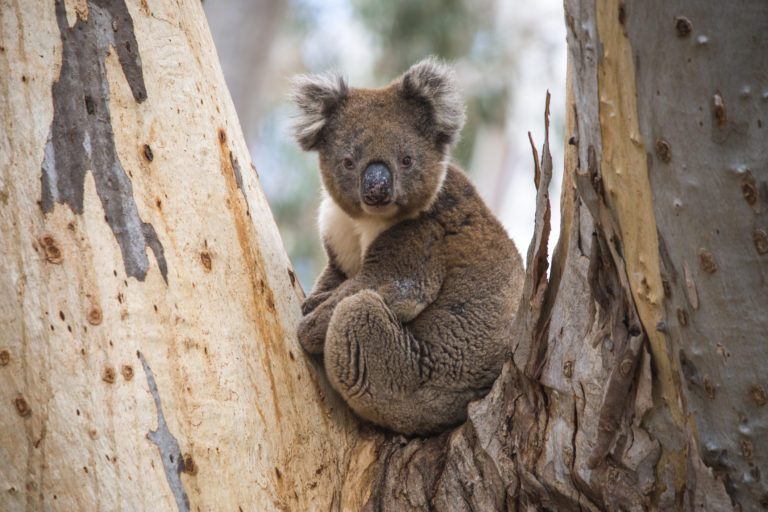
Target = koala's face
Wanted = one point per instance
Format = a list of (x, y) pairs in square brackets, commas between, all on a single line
[(378, 156), (382, 152)]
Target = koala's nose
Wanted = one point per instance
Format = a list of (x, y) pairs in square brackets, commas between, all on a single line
[(377, 185)]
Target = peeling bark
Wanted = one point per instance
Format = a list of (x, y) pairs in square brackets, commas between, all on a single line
[(170, 453), (81, 136)]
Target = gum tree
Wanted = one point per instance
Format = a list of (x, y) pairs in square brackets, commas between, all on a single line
[(148, 357)]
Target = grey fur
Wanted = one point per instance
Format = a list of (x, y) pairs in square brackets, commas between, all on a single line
[(435, 82), (413, 311), (316, 96)]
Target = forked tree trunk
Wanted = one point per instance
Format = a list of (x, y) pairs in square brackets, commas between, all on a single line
[(148, 357)]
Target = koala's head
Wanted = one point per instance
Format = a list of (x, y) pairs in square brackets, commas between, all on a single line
[(382, 152)]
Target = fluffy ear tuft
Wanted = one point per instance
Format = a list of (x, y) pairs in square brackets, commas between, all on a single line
[(317, 96), (434, 83)]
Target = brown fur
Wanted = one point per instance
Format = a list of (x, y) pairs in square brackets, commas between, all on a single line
[(418, 324)]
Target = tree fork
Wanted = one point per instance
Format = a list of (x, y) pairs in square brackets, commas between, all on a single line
[(585, 415)]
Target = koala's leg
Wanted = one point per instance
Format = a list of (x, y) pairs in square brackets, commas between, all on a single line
[(381, 369)]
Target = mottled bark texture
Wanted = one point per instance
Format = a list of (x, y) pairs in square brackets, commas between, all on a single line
[(81, 136)]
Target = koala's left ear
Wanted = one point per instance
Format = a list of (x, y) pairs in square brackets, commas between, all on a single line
[(433, 83), (317, 97)]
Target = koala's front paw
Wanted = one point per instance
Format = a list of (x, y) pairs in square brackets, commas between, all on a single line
[(312, 330), (313, 301)]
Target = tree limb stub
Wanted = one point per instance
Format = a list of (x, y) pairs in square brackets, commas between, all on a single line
[(610, 288), (529, 318)]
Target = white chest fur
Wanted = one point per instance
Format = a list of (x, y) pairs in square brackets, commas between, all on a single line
[(348, 238)]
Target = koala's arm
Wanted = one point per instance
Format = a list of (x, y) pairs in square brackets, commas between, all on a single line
[(314, 325), (405, 269), (330, 279), (401, 266)]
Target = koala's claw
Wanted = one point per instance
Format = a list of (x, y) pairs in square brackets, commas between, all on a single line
[(313, 301), (311, 334)]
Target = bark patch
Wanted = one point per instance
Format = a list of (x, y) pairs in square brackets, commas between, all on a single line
[(81, 135), (239, 179), (173, 462)]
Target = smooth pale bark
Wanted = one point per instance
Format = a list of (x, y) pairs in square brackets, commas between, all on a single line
[(707, 159), (205, 295)]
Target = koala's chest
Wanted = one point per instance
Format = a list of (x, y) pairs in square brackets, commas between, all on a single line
[(348, 238)]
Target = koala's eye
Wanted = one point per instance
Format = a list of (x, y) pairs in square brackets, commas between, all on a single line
[(348, 163), (406, 162)]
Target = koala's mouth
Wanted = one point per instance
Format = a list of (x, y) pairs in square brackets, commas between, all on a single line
[(380, 210)]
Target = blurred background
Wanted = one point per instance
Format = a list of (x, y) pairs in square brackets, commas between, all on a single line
[(507, 54)]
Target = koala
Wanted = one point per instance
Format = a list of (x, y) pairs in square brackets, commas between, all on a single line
[(413, 311)]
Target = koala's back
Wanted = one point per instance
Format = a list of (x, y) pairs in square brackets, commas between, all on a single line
[(465, 331)]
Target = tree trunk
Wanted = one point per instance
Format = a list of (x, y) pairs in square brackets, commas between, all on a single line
[(149, 360)]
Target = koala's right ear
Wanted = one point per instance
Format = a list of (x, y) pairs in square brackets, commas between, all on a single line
[(317, 96)]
